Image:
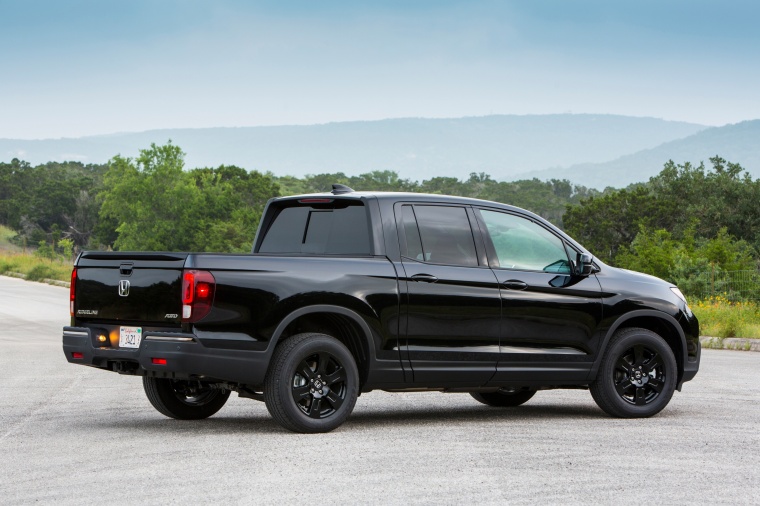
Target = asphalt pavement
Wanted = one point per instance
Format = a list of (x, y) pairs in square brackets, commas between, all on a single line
[(75, 435)]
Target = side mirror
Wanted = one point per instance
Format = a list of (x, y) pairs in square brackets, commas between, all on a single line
[(583, 264)]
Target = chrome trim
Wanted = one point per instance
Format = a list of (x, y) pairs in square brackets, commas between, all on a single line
[(552, 351), (75, 333), (169, 338), (462, 349), (497, 349)]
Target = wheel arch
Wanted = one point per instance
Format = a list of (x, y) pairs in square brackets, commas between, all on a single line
[(339, 322), (658, 322)]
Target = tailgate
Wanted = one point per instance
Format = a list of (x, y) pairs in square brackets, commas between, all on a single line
[(139, 287)]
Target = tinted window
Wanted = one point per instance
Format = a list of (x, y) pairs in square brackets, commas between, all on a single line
[(524, 245), (412, 234), (319, 231), (446, 236)]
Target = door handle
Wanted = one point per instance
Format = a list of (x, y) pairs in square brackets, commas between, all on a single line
[(427, 278), (515, 284)]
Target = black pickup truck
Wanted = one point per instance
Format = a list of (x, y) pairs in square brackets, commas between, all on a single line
[(348, 292)]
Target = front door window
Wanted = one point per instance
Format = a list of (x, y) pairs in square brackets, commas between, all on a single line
[(521, 244)]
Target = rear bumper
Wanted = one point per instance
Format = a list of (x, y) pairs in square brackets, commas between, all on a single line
[(186, 357)]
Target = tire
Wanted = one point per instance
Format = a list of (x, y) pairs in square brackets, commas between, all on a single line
[(503, 399), (637, 376), (184, 400), (312, 383)]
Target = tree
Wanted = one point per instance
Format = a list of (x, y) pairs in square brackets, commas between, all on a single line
[(603, 224), (233, 200), (14, 186), (723, 196), (682, 199), (36, 200), (156, 205), (684, 262)]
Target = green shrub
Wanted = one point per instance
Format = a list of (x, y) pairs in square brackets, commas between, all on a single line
[(7, 265), (40, 272), (45, 250), (67, 248)]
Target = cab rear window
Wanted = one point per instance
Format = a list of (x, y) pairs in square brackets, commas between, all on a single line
[(337, 228)]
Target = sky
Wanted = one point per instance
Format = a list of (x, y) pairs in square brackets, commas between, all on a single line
[(94, 67)]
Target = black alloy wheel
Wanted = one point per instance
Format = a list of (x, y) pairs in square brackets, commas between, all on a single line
[(637, 376), (319, 385), (312, 383), (184, 400)]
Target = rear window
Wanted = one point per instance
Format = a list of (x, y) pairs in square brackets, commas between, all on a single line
[(338, 228)]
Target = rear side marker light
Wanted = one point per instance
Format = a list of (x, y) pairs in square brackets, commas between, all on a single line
[(77, 355), (158, 361)]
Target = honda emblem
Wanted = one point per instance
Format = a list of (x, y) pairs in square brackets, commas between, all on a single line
[(124, 287)]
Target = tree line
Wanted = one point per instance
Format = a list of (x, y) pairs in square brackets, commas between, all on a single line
[(152, 202), (689, 219), (684, 219)]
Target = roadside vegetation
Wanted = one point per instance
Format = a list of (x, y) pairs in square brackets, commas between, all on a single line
[(721, 317), (6, 235), (696, 226), (44, 262), (34, 268)]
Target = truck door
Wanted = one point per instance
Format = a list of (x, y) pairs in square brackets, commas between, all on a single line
[(452, 305), (549, 315)]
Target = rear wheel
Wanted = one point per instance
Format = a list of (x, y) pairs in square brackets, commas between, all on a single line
[(637, 376), (184, 400), (504, 398), (312, 383)]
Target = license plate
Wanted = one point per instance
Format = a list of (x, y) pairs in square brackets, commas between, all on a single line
[(130, 337)]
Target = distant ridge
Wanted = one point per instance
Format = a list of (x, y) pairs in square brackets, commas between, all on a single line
[(417, 148), (738, 143)]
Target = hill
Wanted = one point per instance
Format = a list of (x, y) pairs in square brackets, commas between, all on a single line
[(416, 148), (738, 143)]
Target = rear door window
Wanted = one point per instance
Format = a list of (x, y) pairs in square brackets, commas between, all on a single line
[(442, 235)]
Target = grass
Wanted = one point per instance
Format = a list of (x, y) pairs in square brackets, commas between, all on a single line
[(35, 268), (6, 234), (13, 259), (721, 318)]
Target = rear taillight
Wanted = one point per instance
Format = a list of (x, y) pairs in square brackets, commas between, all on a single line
[(197, 295), (72, 290)]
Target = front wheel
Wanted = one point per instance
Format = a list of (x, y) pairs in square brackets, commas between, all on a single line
[(312, 383), (637, 376), (184, 400), (503, 399)]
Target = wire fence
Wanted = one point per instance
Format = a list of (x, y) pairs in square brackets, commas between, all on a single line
[(733, 285)]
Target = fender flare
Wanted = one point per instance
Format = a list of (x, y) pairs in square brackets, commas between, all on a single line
[(323, 308), (635, 314)]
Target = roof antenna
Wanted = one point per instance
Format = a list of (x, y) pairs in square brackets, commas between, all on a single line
[(341, 188)]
